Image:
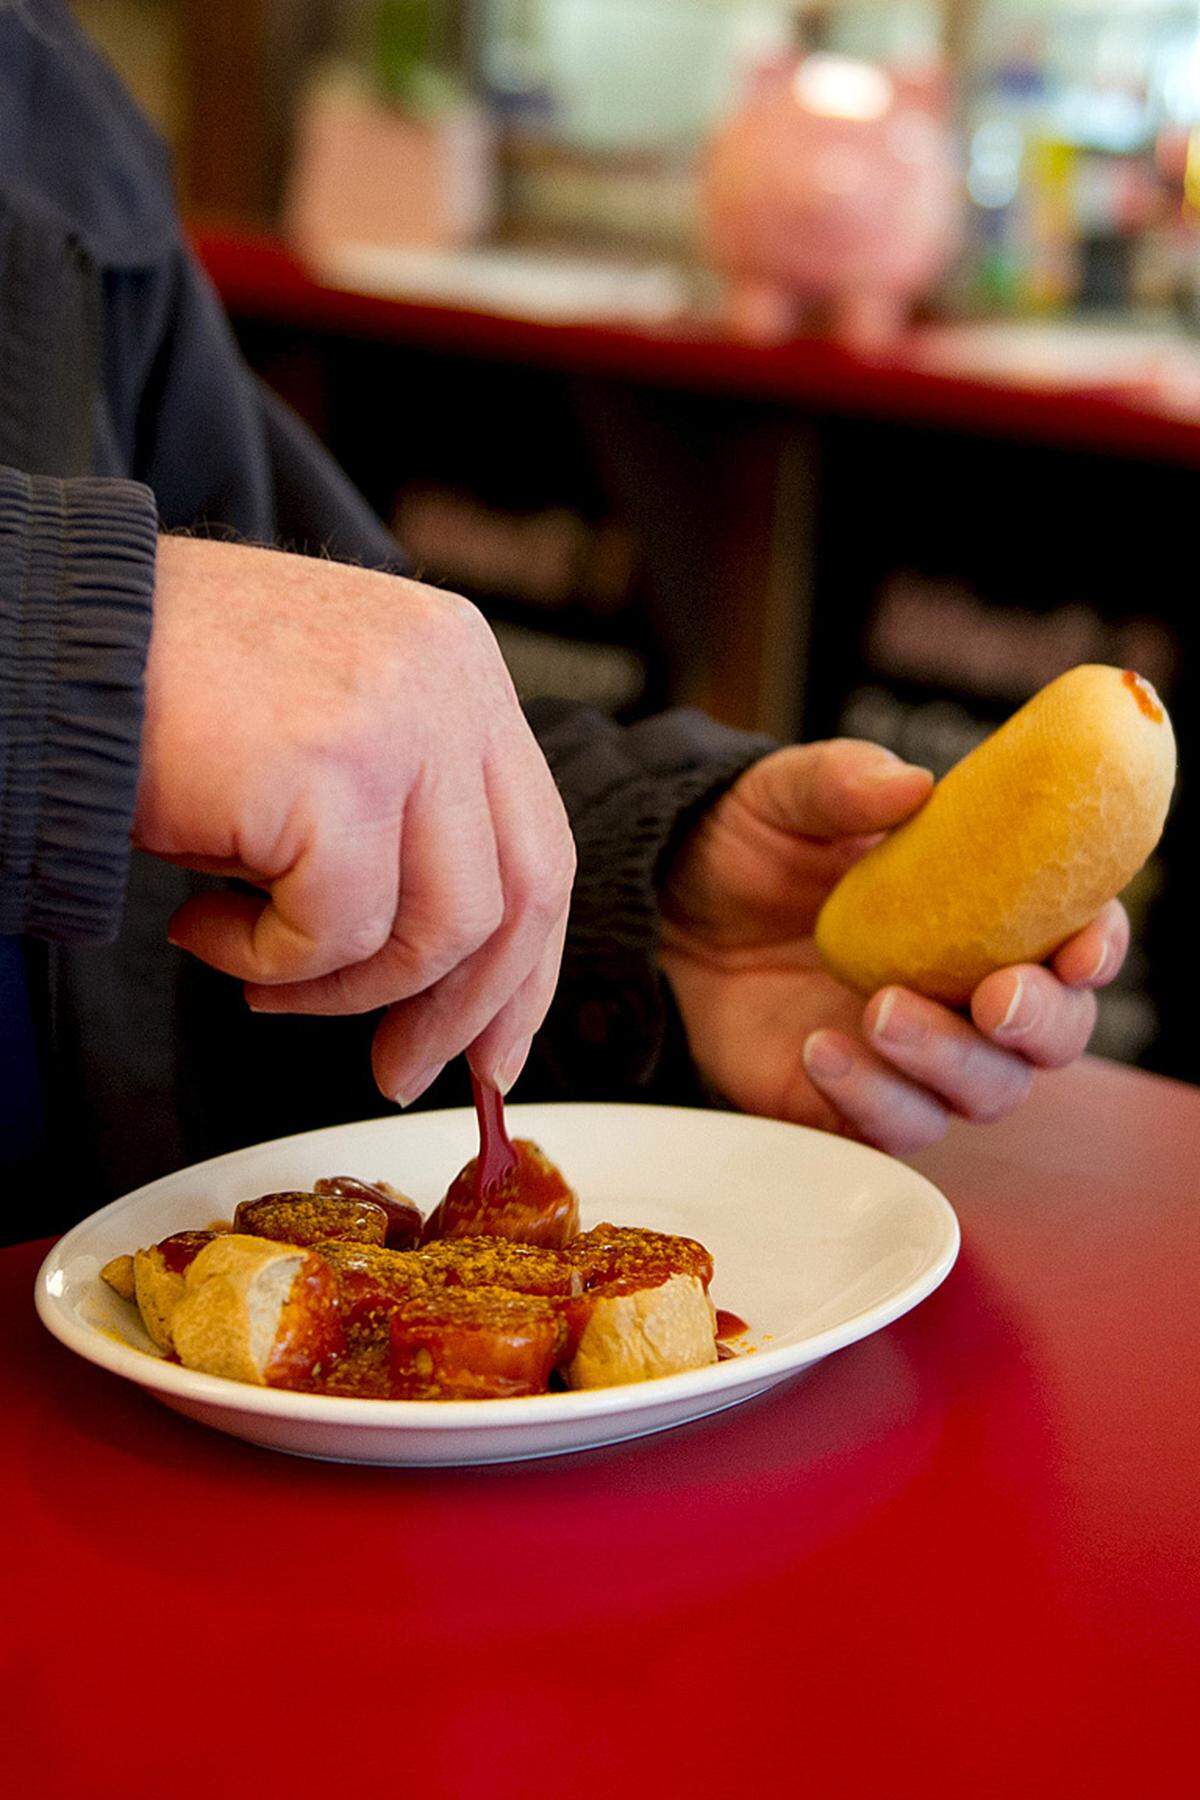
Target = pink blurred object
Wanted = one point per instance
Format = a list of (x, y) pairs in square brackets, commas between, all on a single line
[(834, 189), (365, 173)]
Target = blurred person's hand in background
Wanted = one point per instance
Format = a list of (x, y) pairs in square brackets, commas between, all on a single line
[(774, 1033)]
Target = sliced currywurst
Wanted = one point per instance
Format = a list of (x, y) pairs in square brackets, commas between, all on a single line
[(260, 1312)]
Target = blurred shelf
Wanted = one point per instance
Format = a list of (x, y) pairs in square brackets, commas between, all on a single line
[(1057, 384)]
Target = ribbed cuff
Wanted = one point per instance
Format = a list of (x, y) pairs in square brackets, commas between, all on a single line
[(614, 1024), (76, 584)]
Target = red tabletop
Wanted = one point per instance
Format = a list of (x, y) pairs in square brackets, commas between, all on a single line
[(960, 1559)]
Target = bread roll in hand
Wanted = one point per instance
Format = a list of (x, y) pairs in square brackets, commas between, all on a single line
[(260, 1312), (1016, 849)]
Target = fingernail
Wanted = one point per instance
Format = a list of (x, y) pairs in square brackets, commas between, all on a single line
[(1103, 964), (895, 766), (415, 1086), (826, 1059), (1022, 1013), (510, 1066), (898, 1022)]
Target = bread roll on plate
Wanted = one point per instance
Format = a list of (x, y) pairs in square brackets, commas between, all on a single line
[(259, 1312)]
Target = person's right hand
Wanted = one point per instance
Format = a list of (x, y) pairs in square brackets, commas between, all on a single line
[(350, 742)]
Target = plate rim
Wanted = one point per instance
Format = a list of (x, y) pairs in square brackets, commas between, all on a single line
[(760, 1366)]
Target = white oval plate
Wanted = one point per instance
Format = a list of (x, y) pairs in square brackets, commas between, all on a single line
[(817, 1242)]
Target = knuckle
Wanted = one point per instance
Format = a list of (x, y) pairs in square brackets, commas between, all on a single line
[(557, 862), (461, 620), (457, 608), (914, 1136), (537, 896), (566, 864), (986, 1109), (487, 921), (365, 939), (994, 1083), (473, 927), (557, 886)]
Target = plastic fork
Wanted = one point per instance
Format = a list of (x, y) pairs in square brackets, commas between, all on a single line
[(497, 1160)]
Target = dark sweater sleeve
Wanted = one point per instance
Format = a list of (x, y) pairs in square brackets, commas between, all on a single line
[(76, 581), (632, 793)]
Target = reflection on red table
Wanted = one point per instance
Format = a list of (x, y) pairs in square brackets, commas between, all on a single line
[(957, 1559)]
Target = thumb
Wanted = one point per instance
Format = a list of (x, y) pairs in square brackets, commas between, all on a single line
[(842, 788)]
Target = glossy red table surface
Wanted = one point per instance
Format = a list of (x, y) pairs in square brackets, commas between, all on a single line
[(958, 1559)]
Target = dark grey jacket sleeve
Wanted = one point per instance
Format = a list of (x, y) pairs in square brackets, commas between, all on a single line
[(632, 793), (76, 579)]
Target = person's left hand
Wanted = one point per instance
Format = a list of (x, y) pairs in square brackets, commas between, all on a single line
[(773, 1032)]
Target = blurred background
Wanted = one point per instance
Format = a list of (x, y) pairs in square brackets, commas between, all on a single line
[(835, 367)]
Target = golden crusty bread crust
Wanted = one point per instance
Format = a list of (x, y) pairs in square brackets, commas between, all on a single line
[(637, 1333), (158, 1291), (256, 1311), (117, 1274), (158, 1281), (1017, 847)]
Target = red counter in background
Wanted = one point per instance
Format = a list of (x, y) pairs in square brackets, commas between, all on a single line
[(937, 376)]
